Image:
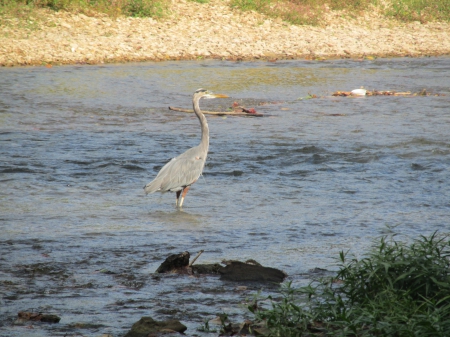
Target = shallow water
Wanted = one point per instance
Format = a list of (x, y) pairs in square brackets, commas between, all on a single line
[(81, 240)]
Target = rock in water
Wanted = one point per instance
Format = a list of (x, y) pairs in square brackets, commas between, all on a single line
[(240, 271), (208, 269), (174, 262), (147, 325)]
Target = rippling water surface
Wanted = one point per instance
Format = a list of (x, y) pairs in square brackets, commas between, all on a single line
[(79, 238)]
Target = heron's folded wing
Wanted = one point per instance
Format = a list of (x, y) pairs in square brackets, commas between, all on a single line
[(183, 172), (176, 174)]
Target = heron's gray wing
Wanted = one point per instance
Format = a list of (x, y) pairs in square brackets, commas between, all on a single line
[(178, 173)]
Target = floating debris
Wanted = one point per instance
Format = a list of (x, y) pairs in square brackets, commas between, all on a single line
[(249, 111), (310, 96), (364, 92), (358, 92)]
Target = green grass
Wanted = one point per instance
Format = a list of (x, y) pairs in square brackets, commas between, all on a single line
[(113, 8), (419, 10), (396, 290), (309, 12)]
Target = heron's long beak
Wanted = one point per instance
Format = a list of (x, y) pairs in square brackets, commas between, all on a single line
[(216, 96)]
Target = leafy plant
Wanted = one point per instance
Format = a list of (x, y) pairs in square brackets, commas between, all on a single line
[(396, 290), (205, 327), (288, 316), (145, 8)]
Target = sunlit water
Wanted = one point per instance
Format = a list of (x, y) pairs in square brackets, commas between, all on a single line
[(81, 240)]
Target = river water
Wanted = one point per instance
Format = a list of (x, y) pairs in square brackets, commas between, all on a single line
[(79, 238)]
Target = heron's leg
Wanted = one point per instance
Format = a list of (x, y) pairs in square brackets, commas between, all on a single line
[(178, 197), (185, 190)]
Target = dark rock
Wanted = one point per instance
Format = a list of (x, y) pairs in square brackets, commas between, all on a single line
[(174, 262), (147, 325), (206, 268), (50, 318), (241, 272)]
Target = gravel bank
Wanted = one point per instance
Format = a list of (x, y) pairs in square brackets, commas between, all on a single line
[(211, 30)]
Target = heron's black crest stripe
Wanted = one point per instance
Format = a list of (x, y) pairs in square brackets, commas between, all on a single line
[(201, 90)]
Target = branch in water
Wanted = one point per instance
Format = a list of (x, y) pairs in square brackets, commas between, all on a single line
[(219, 113)]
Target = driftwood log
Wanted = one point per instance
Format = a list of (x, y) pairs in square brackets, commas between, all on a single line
[(220, 113)]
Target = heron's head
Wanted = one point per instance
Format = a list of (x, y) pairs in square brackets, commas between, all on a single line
[(208, 94)]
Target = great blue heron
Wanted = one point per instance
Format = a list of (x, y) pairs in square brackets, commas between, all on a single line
[(181, 172)]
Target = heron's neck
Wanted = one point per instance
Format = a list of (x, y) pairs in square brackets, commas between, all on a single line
[(204, 125)]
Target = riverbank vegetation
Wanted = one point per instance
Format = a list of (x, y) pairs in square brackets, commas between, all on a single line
[(313, 11), (396, 290), (310, 12), (134, 8)]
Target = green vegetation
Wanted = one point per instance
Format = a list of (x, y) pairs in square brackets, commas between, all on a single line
[(114, 8), (293, 11), (419, 10), (200, 1), (206, 328), (311, 11), (397, 290)]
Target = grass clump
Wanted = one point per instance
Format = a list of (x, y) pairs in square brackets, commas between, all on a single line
[(113, 8), (396, 290), (294, 11), (419, 10), (312, 12)]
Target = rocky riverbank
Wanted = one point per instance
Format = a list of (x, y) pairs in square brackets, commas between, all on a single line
[(212, 30)]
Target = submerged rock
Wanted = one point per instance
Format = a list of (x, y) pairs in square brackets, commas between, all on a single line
[(147, 325), (240, 271), (36, 316)]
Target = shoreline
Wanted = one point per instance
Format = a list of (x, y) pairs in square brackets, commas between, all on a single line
[(212, 31)]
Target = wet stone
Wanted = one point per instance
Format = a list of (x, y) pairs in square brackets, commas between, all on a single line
[(206, 268), (147, 325), (174, 262), (241, 272)]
